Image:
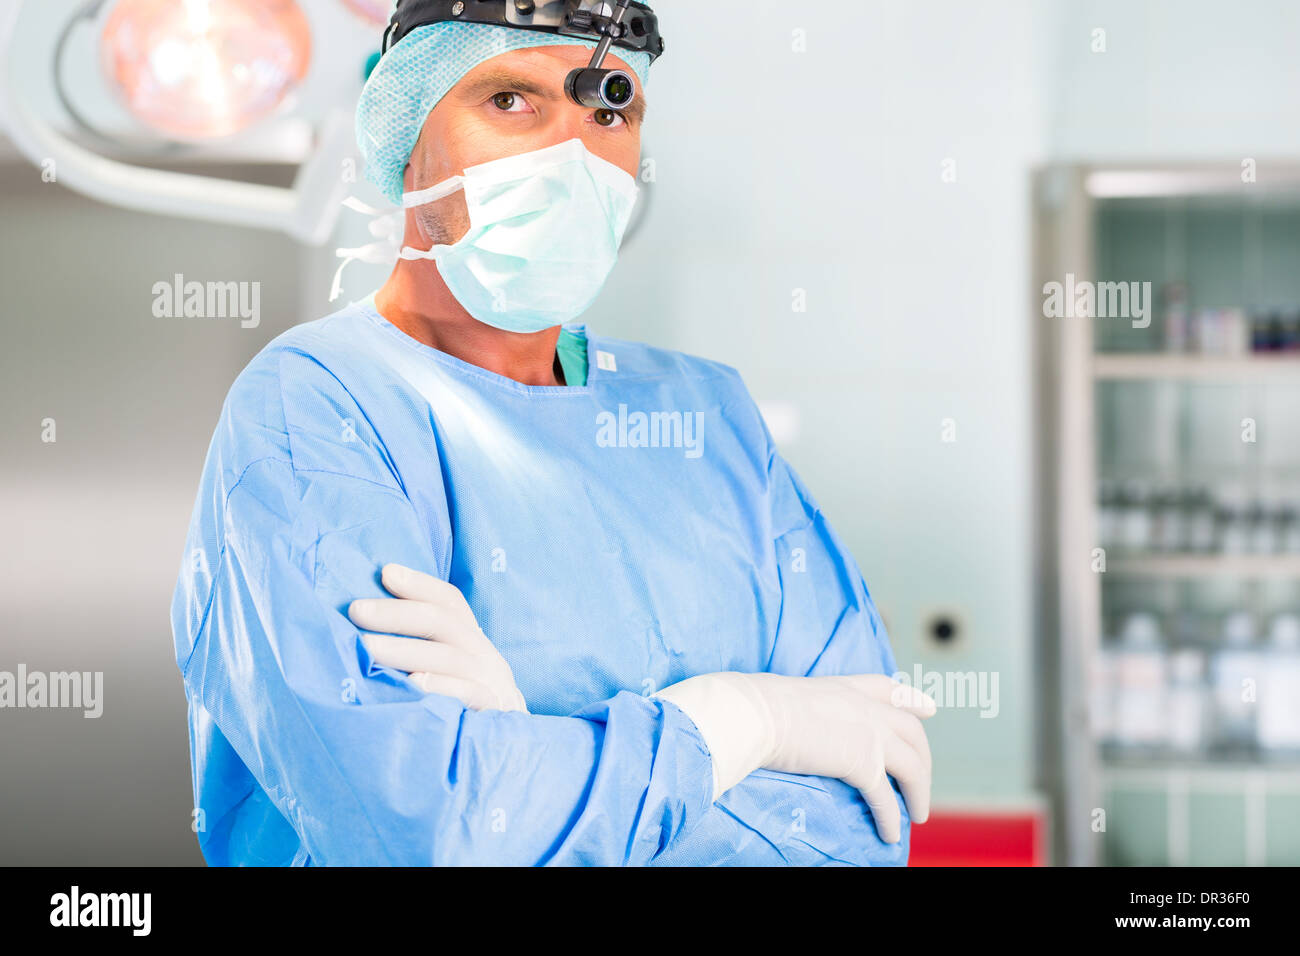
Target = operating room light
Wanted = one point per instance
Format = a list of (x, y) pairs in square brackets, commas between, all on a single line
[(200, 69)]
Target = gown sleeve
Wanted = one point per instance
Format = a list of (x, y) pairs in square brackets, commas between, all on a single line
[(828, 625), (304, 748)]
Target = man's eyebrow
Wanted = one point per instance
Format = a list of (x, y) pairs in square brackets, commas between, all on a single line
[(504, 81)]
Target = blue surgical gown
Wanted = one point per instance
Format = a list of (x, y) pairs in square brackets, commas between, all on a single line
[(608, 549)]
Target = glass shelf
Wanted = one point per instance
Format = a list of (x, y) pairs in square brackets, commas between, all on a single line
[(1206, 566), (1159, 366)]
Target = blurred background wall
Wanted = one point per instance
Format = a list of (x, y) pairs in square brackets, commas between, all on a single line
[(884, 177)]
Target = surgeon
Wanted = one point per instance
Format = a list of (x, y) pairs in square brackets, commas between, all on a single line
[(468, 583)]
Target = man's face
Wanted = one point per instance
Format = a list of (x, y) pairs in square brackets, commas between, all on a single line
[(511, 104)]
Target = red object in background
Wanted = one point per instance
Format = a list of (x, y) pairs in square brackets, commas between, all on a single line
[(980, 838)]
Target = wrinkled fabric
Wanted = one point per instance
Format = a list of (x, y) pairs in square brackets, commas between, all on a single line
[(602, 566), (412, 77)]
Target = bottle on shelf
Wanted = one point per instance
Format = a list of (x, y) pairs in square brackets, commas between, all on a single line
[(1276, 331), (1174, 295), (1160, 505), (1232, 532), (1279, 693), (1260, 529), (1136, 664), (1237, 669), (1259, 331), (1288, 531), (1291, 333), (1234, 332), (1202, 522), (1134, 517), (1227, 331), (1203, 336), (1187, 702), (1168, 524), (1108, 514)]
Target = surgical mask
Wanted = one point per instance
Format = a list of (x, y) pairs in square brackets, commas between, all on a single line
[(544, 233)]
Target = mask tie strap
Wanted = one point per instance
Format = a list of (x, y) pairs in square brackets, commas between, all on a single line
[(433, 193), (384, 227)]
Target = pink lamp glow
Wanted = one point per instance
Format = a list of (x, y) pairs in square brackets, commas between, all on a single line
[(201, 69), (376, 12)]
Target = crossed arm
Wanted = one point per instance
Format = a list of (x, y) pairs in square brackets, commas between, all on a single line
[(369, 768), (858, 728)]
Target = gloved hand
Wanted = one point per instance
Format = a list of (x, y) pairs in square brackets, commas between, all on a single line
[(453, 656), (857, 728)]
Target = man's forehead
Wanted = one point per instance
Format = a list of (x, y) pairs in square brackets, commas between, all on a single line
[(539, 60)]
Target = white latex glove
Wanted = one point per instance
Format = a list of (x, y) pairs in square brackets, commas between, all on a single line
[(857, 728), (453, 657)]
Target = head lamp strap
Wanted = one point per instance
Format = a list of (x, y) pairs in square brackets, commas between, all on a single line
[(626, 23)]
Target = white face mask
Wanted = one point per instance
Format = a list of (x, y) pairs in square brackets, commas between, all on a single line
[(544, 232)]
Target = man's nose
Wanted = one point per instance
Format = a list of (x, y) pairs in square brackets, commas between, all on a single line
[(575, 122)]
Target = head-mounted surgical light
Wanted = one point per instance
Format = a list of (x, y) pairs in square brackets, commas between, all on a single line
[(610, 23)]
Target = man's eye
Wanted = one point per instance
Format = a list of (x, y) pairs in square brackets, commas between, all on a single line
[(510, 102), (611, 118)]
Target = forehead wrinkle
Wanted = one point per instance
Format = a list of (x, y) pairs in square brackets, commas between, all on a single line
[(501, 80)]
